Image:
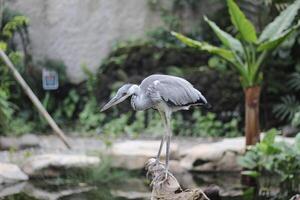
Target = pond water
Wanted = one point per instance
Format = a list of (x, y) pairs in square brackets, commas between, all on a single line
[(136, 187)]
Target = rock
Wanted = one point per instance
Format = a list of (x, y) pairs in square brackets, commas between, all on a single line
[(7, 190), (41, 193), (168, 189), (213, 192), (51, 164), (290, 131), (29, 141), (228, 162), (133, 155), (176, 168), (25, 141), (220, 156), (10, 173)]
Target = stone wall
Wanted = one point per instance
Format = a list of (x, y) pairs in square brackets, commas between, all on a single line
[(83, 32)]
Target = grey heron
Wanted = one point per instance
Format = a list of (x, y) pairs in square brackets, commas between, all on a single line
[(164, 93)]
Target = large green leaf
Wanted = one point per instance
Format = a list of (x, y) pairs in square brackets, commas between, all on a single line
[(280, 23), (3, 46), (242, 24), (275, 42), (224, 53), (227, 39)]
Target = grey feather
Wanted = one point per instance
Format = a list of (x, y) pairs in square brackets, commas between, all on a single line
[(171, 89)]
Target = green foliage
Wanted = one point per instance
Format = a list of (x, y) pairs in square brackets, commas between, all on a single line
[(241, 23), (294, 82), (273, 157), (90, 117), (13, 25), (245, 53), (199, 126), (117, 126), (281, 23), (208, 125), (6, 110), (296, 120), (224, 53), (288, 107), (10, 122), (68, 105)]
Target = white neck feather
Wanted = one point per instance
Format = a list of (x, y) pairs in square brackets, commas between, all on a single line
[(134, 89)]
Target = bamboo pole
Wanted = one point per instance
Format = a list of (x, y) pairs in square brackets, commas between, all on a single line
[(34, 99)]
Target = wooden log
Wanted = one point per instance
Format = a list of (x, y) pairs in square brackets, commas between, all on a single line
[(34, 99), (170, 188)]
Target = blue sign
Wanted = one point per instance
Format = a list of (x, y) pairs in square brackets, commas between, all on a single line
[(50, 79)]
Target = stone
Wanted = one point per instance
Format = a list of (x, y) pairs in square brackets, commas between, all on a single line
[(10, 173), (11, 189), (176, 168), (214, 156), (7, 143), (29, 141), (169, 188), (290, 131), (43, 193), (133, 155), (51, 164), (23, 142)]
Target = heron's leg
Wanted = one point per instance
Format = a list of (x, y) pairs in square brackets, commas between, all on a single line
[(169, 134), (163, 138), (160, 148)]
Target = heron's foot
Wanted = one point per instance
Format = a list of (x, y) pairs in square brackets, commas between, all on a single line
[(155, 166), (161, 178)]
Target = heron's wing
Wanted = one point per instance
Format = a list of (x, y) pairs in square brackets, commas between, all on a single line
[(174, 90)]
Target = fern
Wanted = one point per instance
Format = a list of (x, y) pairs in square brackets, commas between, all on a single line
[(278, 4), (294, 82), (288, 107)]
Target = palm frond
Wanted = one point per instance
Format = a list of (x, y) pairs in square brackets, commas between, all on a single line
[(287, 108), (294, 82), (278, 4)]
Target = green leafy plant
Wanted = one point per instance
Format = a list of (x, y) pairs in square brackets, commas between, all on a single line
[(246, 53), (289, 105), (209, 125), (296, 120), (90, 117), (269, 156), (6, 110)]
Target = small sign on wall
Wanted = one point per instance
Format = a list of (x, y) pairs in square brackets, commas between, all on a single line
[(50, 79)]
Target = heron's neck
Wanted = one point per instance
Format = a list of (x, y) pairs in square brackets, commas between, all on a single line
[(134, 89)]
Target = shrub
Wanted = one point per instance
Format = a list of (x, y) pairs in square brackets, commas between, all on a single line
[(273, 157)]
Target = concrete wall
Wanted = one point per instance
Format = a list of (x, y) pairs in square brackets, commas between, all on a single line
[(83, 31)]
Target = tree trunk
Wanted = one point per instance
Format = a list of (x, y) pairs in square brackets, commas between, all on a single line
[(252, 128)]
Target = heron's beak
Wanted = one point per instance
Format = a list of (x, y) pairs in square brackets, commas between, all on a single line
[(114, 101)]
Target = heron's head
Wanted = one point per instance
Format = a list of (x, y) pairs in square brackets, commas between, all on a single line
[(123, 93)]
